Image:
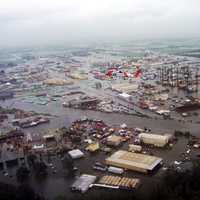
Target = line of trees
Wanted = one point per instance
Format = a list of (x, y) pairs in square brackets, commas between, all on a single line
[(22, 192), (174, 185)]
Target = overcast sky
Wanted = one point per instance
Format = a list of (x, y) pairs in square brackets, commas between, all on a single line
[(27, 22)]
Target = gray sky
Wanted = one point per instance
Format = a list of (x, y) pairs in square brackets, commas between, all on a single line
[(27, 22)]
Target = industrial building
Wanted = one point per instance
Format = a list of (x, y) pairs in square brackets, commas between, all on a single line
[(76, 153), (154, 139), (125, 87), (93, 147), (58, 82), (114, 140), (83, 183), (10, 153), (133, 161), (134, 148), (125, 96)]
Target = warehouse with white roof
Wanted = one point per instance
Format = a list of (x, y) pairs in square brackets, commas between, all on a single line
[(133, 161), (154, 139)]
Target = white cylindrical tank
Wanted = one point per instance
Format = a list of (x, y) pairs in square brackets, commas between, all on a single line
[(115, 170)]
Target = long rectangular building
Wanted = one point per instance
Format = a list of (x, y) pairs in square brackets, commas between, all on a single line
[(125, 87), (133, 161), (154, 139)]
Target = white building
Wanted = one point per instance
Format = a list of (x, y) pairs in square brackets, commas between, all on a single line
[(154, 139)]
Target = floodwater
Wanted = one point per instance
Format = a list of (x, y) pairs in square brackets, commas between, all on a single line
[(56, 184), (62, 116)]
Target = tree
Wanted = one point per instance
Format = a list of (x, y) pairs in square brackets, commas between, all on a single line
[(60, 197), (22, 174), (40, 169), (68, 163), (31, 159), (25, 192), (7, 191)]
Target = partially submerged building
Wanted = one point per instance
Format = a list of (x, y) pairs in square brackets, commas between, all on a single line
[(78, 76), (134, 148), (83, 183), (30, 121), (10, 153), (93, 147), (58, 82), (134, 161), (114, 140), (76, 153), (154, 139), (50, 140), (125, 96), (82, 103), (125, 87)]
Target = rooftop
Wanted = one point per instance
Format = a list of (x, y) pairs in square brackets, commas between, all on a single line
[(133, 161)]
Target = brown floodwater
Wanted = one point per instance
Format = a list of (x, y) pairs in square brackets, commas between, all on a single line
[(56, 184)]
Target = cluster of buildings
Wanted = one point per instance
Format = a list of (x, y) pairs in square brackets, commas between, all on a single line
[(84, 137), (144, 86), (95, 136)]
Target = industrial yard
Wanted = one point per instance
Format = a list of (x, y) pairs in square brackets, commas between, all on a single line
[(98, 119), (99, 100)]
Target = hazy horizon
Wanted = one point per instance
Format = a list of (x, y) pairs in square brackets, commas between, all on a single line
[(48, 22)]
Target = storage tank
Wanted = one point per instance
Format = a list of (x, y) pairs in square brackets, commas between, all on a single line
[(115, 170)]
